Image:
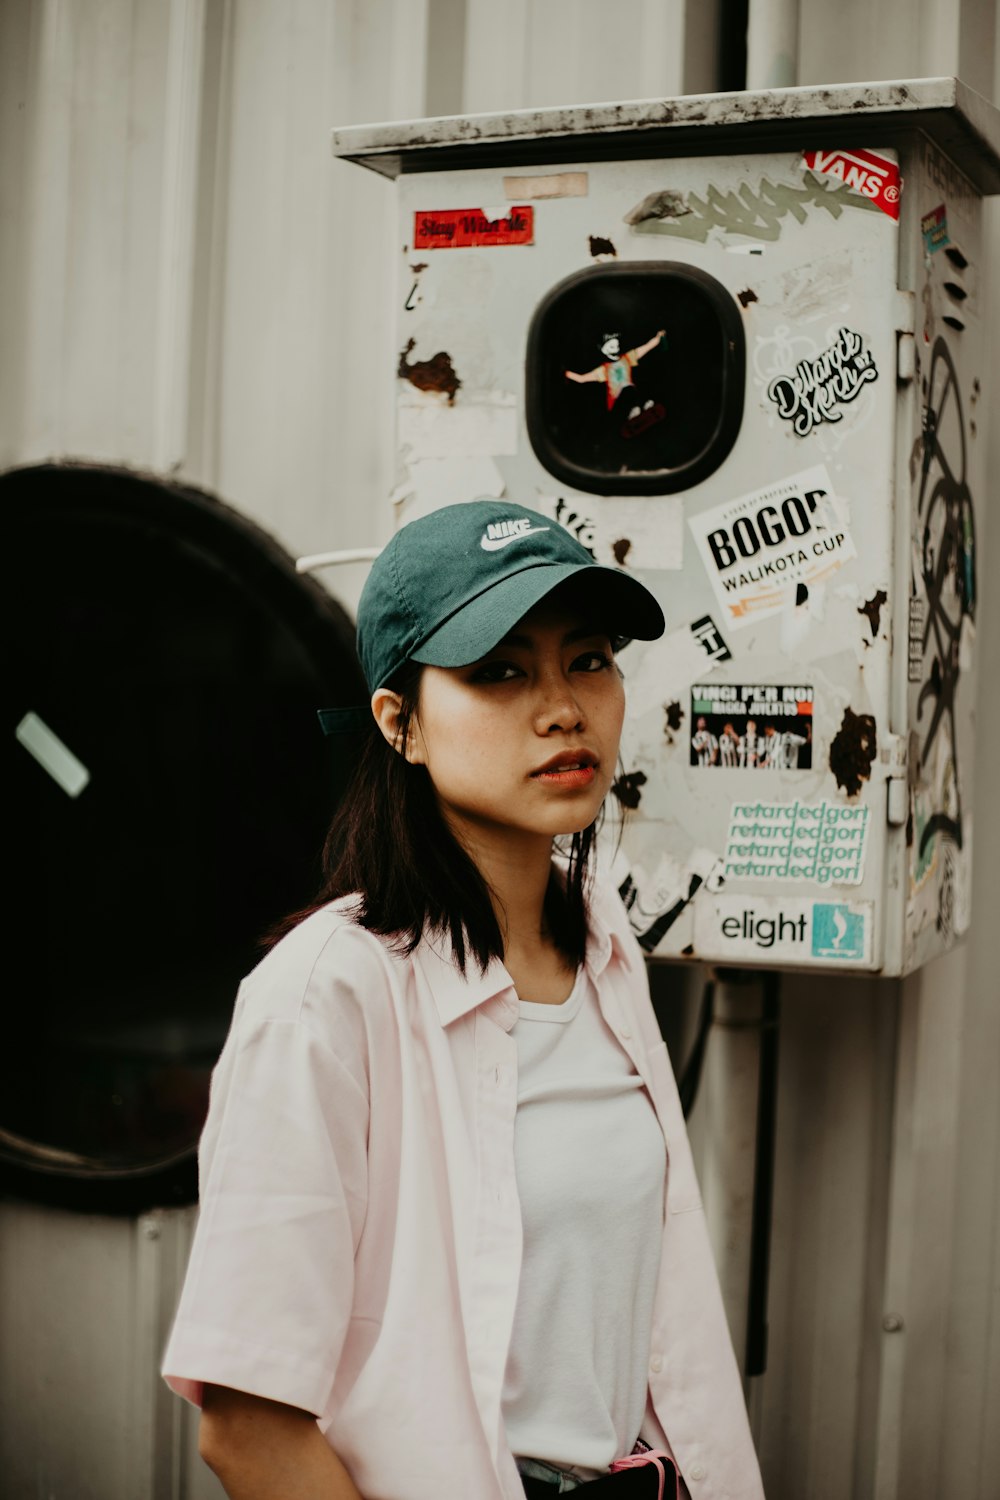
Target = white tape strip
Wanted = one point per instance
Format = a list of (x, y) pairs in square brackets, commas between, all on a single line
[(52, 755)]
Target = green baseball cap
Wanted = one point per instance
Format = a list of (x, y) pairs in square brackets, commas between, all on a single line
[(451, 585)]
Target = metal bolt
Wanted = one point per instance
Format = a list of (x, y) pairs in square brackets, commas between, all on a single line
[(892, 1323)]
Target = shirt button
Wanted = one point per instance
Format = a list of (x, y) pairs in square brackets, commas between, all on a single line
[(656, 1364), (697, 1472)]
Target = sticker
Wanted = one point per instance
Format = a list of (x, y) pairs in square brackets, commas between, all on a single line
[(873, 176), (632, 411), (654, 902), (821, 841), (435, 482), (840, 930), (934, 228), (461, 228), (760, 547), (664, 672), (738, 727), (52, 755), (620, 531), (709, 637), (646, 533), (821, 386), (431, 428), (793, 929), (548, 185)]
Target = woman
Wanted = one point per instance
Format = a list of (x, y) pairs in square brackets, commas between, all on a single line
[(436, 1253)]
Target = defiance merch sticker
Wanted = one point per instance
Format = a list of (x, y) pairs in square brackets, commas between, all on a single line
[(822, 386), (873, 176), (759, 548)]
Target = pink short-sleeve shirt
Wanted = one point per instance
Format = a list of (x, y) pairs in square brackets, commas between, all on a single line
[(359, 1242)]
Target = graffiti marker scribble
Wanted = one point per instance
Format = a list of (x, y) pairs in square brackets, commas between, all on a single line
[(948, 569), (759, 213)]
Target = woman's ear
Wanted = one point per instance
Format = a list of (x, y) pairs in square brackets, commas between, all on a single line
[(387, 708)]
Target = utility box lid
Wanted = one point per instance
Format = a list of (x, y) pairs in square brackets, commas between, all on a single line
[(964, 125)]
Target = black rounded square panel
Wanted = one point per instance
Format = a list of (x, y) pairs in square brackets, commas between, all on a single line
[(635, 376)]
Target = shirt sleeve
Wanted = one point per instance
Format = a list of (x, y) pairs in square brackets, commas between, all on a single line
[(269, 1289)]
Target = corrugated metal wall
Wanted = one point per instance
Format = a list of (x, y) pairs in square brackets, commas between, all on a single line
[(189, 283)]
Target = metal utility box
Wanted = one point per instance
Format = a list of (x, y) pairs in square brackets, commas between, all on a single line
[(735, 344)]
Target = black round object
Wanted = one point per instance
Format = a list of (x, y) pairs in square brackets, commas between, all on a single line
[(170, 648)]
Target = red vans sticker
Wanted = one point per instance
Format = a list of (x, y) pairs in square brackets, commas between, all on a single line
[(873, 176)]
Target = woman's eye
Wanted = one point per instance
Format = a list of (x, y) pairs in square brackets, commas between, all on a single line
[(496, 671), (592, 661)]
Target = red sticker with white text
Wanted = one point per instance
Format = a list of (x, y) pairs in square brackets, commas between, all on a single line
[(460, 228), (874, 176)]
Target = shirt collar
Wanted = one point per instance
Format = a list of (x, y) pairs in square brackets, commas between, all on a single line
[(456, 994)]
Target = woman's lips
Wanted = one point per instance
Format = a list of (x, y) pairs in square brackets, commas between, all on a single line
[(570, 769), (571, 776)]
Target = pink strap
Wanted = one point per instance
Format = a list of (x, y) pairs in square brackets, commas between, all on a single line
[(652, 1456)]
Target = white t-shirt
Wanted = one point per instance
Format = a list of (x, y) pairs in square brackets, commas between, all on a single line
[(590, 1162)]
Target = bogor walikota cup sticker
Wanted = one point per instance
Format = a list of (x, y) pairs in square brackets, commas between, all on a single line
[(739, 726), (821, 841), (783, 929), (760, 547), (820, 387)]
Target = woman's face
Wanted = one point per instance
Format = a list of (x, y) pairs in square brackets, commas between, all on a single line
[(527, 738)]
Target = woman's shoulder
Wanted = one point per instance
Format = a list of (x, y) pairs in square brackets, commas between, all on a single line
[(327, 969)]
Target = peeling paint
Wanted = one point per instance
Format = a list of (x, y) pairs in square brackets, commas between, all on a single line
[(745, 298), (628, 788), (621, 550), (665, 204), (434, 374), (674, 715), (852, 751), (873, 609), (601, 246)]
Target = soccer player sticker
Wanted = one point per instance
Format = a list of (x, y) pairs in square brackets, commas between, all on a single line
[(759, 548), (749, 727)]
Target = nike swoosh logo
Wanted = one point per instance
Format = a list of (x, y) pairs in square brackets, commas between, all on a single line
[(496, 543)]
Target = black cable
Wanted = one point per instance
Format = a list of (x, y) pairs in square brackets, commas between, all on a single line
[(690, 1078), (763, 1180)]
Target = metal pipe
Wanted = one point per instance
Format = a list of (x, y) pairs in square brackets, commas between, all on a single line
[(772, 44)]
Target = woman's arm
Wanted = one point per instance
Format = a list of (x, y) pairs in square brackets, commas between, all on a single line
[(262, 1450)]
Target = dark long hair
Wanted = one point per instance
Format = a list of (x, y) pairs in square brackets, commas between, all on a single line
[(390, 847)]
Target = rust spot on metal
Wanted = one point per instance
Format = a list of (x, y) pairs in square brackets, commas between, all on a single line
[(674, 714), (628, 788), (434, 374), (873, 609), (852, 751), (421, 265), (688, 952), (746, 297), (601, 246), (666, 204), (621, 549)]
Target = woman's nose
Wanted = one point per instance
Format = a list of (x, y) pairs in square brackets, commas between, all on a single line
[(558, 709)]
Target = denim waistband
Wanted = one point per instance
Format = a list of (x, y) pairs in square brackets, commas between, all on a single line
[(560, 1479)]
